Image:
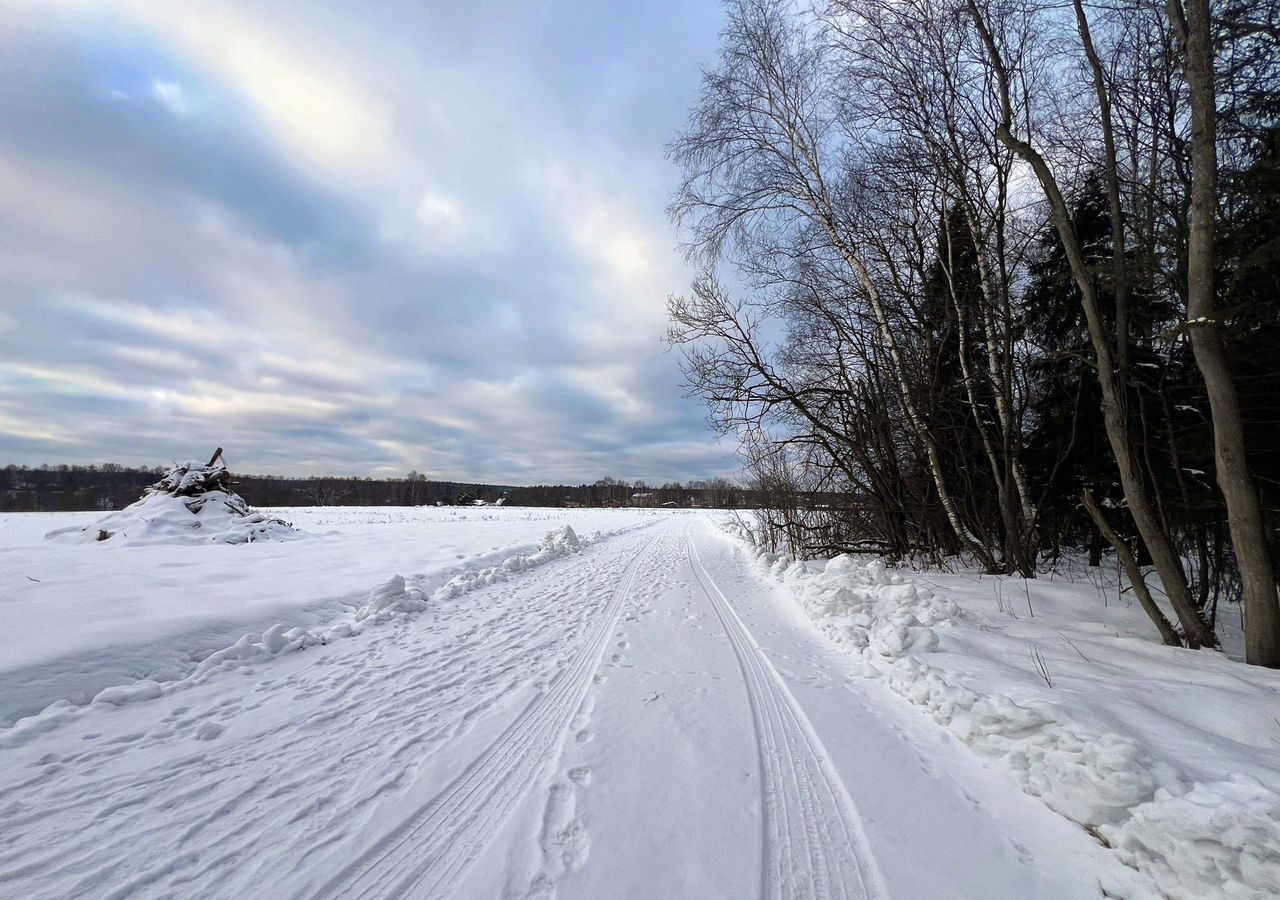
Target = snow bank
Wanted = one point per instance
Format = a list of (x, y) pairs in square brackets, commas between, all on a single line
[(559, 542), (249, 649), (191, 504), (252, 648), (394, 598), (1224, 835), (1210, 838), (1090, 777), (868, 609)]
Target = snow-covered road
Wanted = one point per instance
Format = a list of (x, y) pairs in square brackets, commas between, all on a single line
[(644, 719)]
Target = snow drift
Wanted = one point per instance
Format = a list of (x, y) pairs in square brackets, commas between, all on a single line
[(191, 504), (559, 542), (1194, 838)]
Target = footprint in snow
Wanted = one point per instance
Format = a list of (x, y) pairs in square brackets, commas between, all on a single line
[(208, 730)]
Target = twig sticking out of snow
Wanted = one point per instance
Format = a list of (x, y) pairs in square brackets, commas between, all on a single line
[(1042, 669), (1074, 647)]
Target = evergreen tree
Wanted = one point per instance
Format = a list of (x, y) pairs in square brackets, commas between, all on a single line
[(1067, 448)]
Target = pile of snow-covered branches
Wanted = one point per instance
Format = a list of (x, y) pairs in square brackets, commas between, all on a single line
[(191, 504), (190, 479)]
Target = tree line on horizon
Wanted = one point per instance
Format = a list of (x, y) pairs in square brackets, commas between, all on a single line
[(1005, 274), (110, 486)]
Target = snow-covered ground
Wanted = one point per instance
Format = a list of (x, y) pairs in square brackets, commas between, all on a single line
[(1172, 756), (486, 703), (80, 617)]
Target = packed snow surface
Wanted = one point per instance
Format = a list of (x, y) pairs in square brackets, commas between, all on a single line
[(594, 704)]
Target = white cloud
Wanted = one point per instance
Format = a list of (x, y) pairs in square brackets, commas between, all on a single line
[(313, 109), (414, 253), (171, 96)]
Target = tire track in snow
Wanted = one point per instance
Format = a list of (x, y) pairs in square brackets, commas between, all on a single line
[(433, 848), (814, 846)]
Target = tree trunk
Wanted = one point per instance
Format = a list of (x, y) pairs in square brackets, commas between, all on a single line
[(1131, 568), (923, 434), (1168, 564), (1244, 515)]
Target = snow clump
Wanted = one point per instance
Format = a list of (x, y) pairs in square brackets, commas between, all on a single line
[(391, 598)]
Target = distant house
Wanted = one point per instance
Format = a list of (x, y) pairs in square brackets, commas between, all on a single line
[(644, 498), (671, 504), (611, 504)]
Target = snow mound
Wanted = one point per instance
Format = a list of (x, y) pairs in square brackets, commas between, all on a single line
[(1169, 837), (1219, 839), (867, 609), (561, 541), (558, 542), (191, 504), (391, 598), (253, 648), (120, 694)]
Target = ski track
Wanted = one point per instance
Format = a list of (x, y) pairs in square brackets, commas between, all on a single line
[(434, 847), (337, 738), (814, 845)]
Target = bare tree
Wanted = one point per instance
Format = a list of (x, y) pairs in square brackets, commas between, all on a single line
[(1191, 21), (1154, 534), (973, 242), (756, 157)]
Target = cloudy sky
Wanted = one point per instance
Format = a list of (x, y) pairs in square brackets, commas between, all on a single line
[(349, 238)]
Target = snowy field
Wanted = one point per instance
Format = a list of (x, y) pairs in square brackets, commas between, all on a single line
[(489, 703), (80, 617)]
